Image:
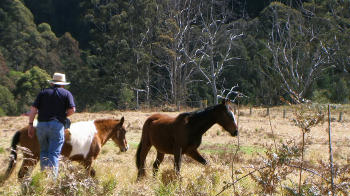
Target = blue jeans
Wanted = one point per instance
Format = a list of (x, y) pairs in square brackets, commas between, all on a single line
[(51, 138)]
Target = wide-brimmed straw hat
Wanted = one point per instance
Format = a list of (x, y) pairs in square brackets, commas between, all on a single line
[(59, 79)]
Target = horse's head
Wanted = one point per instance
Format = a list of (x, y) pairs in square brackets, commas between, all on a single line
[(226, 118), (119, 136)]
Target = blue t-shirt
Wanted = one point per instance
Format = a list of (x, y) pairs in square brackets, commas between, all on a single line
[(52, 104)]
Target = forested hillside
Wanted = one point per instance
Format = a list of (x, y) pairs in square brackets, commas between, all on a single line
[(118, 54)]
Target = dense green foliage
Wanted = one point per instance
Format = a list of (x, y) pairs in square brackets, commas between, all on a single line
[(174, 51)]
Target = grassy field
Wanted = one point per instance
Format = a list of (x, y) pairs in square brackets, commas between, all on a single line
[(116, 171)]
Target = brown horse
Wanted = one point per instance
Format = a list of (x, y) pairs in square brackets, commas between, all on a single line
[(83, 142), (181, 135)]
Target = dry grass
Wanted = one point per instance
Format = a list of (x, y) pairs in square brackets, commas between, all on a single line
[(116, 171)]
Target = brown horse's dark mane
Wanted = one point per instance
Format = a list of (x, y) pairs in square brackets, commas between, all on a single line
[(200, 121)]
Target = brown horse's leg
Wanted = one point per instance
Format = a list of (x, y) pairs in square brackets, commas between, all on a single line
[(142, 158), (28, 164), (178, 158), (157, 162), (194, 154)]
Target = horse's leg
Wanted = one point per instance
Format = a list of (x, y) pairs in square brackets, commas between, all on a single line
[(28, 164), (92, 172), (194, 154), (157, 162), (142, 158), (89, 170), (178, 158)]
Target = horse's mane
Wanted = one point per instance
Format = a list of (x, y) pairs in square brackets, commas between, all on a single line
[(197, 114)]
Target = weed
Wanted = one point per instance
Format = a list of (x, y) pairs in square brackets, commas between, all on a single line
[(2, 150), (109, 184)]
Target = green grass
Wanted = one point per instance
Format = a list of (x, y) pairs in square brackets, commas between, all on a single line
[(133, 145), (2, 150), (208, 148), (111, 144), (224, 148)]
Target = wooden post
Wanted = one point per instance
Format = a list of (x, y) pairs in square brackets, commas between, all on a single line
[(284, 113), (137, 96), (340, 117), (250, 111), (137, 100), (330, 148), (267, 111)]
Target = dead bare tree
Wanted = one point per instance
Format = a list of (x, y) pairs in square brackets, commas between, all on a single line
[(214, 47), (299, 53), (174, 39)]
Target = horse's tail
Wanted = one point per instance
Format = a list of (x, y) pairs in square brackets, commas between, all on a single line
[(138, 156), (13, 156), (144, 141), (143, 136)]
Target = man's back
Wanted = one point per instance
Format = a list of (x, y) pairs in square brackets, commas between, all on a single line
[(52, 104)]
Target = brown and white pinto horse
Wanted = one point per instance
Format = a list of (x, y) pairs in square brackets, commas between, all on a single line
[(181, 135), (83, 142)]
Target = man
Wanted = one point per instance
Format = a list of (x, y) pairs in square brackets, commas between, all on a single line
[(53, 106)]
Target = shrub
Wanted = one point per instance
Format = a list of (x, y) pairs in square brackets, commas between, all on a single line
[(125, 98), (7, 103), (29, 85)]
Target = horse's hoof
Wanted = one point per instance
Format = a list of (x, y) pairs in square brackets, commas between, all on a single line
[(92, 173), (139, 179)]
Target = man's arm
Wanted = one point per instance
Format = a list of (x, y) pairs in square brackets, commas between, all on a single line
[(32, 114), (71, 104), (70, 111)]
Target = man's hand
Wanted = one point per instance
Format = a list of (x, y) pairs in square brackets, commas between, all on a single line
[(70, 111), (30, 131)]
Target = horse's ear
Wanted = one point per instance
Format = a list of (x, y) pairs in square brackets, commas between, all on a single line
[(121, 121)]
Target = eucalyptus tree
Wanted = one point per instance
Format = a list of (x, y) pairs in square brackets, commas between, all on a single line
[(213, 48), (299, 50), (333, 24), (23, 43), (117, 31), (173, 37), (28, 85)]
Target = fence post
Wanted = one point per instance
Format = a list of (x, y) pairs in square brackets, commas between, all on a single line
[(340, 117), (330, 148), (284, 112), (267, 111), (250, 111)]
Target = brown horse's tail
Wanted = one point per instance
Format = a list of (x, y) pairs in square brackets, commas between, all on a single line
[(138, 156), (13, 156)]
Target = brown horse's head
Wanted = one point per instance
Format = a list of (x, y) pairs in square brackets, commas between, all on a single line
[(226, 118), (119, 136)]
